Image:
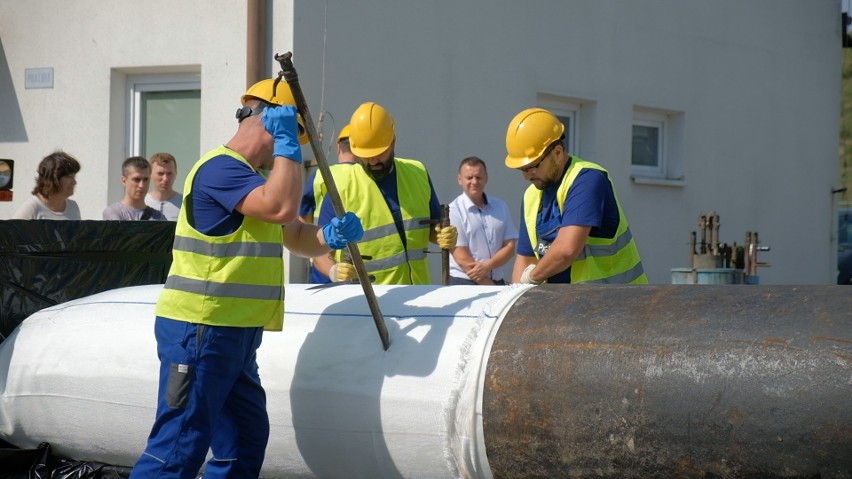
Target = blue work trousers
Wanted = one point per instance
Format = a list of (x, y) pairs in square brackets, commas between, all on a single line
[(210, 398)]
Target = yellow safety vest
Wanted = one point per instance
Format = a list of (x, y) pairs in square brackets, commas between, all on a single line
[(337, 170), (603, 260), (232, 280), (389, 261)]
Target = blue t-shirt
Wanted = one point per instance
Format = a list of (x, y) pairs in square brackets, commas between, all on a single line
[(590, 202), (388, 187), (219, 185)]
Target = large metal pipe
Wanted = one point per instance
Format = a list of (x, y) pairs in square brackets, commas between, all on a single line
[(679, 381), (672, 381)]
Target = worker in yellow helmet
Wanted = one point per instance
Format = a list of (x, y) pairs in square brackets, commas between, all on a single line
[(396, 202), (573, 230), (225, 286), (314, 193)]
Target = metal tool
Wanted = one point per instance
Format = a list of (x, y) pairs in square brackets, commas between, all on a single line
[(288, 72), (445, 253)]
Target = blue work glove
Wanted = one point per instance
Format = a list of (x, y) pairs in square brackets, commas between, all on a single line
[(342, 230), (280, 122)]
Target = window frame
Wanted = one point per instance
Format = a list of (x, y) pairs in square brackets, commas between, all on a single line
[(572, 111), (144, 83), (660, 122)]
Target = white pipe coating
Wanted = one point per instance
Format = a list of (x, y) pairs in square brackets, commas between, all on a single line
[(83, 376)]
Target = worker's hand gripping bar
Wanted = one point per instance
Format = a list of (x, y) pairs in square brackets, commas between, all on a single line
[(288, 72)]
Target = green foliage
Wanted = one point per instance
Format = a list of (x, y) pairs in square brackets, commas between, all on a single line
[(845, 179)]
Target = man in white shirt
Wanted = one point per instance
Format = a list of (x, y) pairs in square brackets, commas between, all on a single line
[(487, 234), (164, 198)]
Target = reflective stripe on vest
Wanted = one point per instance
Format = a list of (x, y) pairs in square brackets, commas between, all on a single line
[(223, 250), (232, 280), (602, 260), (395, 260), (389, 261), (387, 230)]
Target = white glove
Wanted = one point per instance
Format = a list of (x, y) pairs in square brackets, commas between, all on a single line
[(525, 277), (342, 272)]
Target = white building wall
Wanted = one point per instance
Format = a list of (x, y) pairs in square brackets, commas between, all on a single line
[(756, 83)]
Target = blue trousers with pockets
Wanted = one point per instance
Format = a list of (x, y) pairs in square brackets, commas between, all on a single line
[(210, 399)]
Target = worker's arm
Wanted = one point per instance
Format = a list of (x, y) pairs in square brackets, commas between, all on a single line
[(323, 264), (568, 244), (521, 263), (311, 240), (277, 200), (305, 239)]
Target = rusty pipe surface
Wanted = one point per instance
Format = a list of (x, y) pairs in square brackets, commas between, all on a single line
[(682, 381)]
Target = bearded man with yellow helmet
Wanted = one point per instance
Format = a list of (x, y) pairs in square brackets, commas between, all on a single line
[(225, 286), (573, 229), (395, 200)]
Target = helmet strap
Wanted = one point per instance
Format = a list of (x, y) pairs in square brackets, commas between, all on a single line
[(246, 111)]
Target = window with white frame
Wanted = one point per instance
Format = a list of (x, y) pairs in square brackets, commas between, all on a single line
[(569, 112), (165, 116), (648, 151), (656, 154)]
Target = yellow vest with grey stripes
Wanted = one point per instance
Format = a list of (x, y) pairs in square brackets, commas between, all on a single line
[(232, 280), (389, 261), (337, 170), (603, 260)]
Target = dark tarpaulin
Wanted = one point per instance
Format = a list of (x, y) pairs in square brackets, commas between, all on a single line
[(45, 262), (41, 463)]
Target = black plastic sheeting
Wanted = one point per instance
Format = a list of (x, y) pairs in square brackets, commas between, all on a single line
[(46, 262), (41, 463)]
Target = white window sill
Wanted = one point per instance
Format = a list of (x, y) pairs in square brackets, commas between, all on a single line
[(654, 181)]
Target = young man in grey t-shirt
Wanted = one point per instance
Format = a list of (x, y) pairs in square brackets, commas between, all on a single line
[(136, 177)]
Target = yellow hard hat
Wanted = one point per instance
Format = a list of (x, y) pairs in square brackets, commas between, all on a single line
[(263, 90), (371, 130), (529, 134), (344, 134)]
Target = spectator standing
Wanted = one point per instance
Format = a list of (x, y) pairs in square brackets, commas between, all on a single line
[(136, 178), (54, 184), (487, 233), (164, 198)]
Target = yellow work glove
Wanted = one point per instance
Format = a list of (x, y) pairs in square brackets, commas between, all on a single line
[(342, 272), (447, 236)]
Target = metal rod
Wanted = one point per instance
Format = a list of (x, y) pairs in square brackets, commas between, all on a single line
[(445, 253), (288, 72)]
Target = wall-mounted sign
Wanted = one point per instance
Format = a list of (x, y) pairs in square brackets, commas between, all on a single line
[(38, 78), (7, 173)]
